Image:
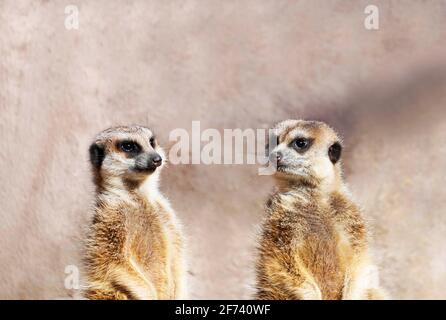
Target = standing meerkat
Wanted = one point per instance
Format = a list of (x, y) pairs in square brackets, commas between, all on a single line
[(135, 245), (313, 243)]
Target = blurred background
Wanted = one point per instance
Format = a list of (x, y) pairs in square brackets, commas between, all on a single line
[(232, 64)]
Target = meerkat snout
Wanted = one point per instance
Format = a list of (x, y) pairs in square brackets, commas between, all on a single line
[(148, 162)]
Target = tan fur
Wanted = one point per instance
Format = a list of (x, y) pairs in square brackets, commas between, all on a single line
[(135, 244), (313, 243)]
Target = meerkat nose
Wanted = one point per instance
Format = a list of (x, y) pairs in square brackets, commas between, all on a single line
[(276, 157), (157, 160)]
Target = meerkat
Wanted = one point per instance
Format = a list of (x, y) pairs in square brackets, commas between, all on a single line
[(314, 242), (135, 245)]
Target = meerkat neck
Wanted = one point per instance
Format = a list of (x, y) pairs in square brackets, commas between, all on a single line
[(308, 189), (118, 188), (150, 189), (112, 189), (285, 185)]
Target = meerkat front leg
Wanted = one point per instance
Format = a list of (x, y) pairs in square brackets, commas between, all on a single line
[(178, 269), (179, 273), (177, 263)]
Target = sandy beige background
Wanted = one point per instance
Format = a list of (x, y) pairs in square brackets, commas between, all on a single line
[(229, 64)]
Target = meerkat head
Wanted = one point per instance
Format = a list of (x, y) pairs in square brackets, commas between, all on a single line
[(306, 151), (127, 154)]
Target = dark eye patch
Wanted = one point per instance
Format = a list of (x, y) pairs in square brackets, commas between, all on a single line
[(334, 152), (130, 147), (301, 144)]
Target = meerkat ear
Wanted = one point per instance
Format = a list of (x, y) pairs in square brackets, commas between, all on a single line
[(334, 152), (97, 155)]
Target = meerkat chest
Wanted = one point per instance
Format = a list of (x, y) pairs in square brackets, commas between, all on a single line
[(149, 234), (152, 246), (325, 251), (324, 238), (318, 234)]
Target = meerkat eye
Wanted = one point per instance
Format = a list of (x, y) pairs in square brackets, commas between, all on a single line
[(152, 142), (129, 147), (301, 144)]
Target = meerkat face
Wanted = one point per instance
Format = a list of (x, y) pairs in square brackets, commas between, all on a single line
[(308, 150), (131, 153)]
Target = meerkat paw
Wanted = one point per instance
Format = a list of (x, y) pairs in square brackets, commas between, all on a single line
[(362, 283), (309, 291), (377, 294)]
